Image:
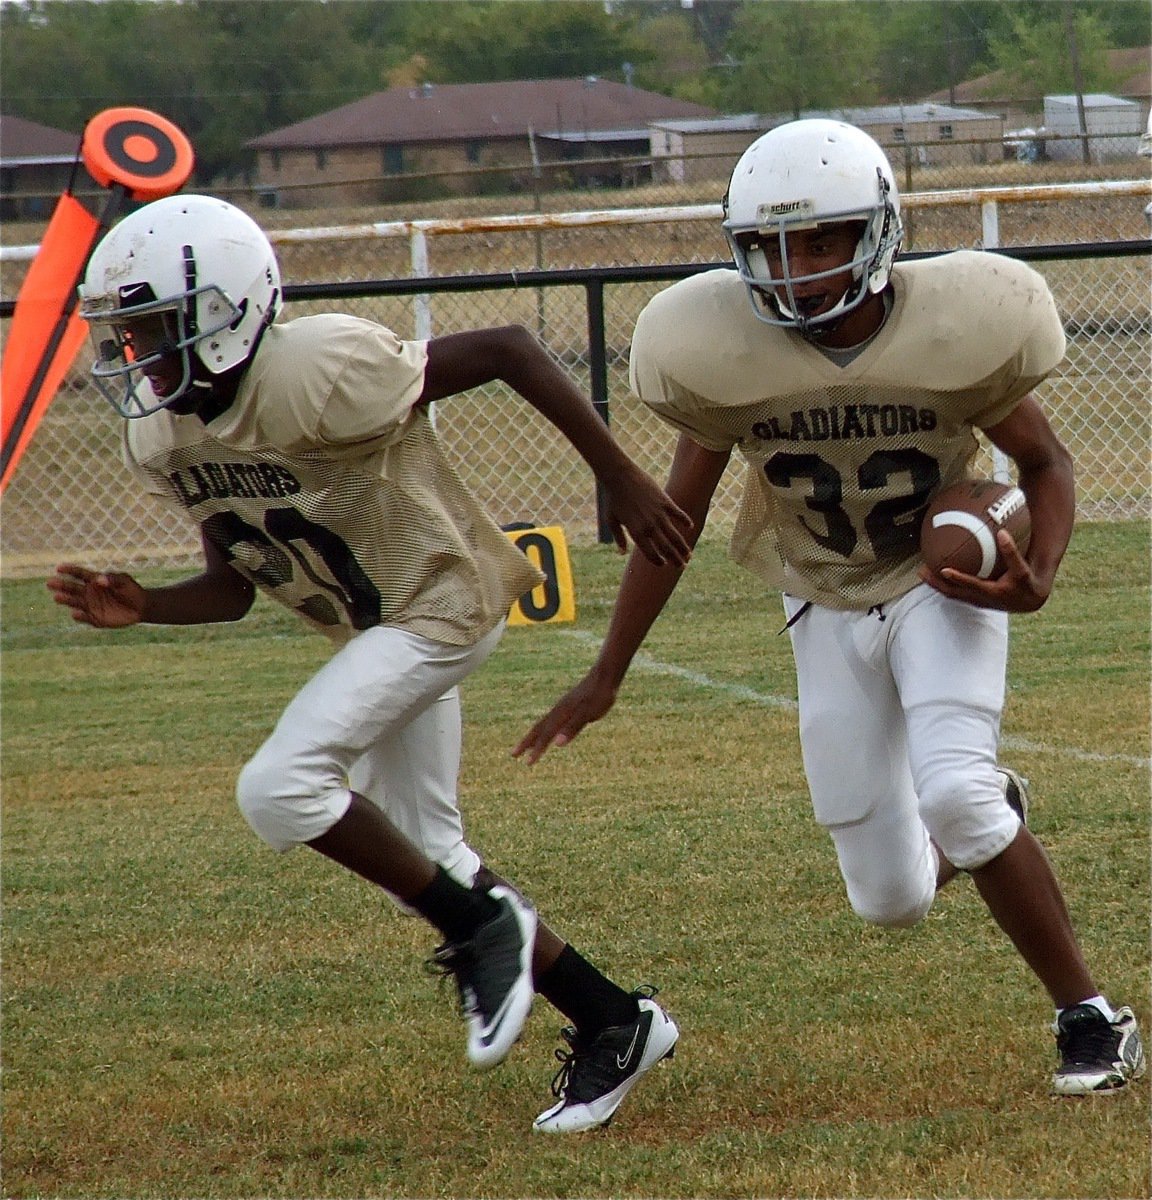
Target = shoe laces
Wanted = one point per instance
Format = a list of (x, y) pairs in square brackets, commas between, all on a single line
[(451, 960), (566, 1059), (579, 1047)]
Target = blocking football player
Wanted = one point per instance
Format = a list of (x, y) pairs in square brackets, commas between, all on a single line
[(853, 386), (305, 452)]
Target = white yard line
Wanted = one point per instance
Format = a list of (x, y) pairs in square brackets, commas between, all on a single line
[(651, 666)]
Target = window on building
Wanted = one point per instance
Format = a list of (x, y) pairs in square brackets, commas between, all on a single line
[(472, 152), (321, 159), (275, 160), (898, 134), (946, 132), (393, 160)]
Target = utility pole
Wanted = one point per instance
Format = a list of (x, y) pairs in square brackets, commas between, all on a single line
[(951, 45), (1077, 82)]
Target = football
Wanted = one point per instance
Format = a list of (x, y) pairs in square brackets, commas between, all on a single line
[(960, 525)]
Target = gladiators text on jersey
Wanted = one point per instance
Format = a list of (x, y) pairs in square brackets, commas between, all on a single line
[(841, 421)]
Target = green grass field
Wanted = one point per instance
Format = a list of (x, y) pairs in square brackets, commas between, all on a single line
[(187, 1014)]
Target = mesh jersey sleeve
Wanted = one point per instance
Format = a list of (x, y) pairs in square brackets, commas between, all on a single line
[(652, 382), (1038, 352), (373, 392)]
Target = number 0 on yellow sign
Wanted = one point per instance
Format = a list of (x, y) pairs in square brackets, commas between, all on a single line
[(555, 598)]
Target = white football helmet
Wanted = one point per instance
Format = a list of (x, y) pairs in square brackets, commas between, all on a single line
[(200, 274), (798, 176)]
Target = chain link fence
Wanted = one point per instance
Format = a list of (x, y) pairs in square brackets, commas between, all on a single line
[(578, 184), (691, 177), (71, 498)]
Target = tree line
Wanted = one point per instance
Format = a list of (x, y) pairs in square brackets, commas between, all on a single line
[(229, 70)]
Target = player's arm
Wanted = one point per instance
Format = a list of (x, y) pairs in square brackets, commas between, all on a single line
[(511, 354), (1045, 475), (115, 600), (644, 590)]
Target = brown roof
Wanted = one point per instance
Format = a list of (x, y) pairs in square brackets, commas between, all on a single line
[(29, 139), (454, 111), (1132, 66)]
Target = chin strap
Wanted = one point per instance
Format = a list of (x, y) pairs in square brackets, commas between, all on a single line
[(813, 333)]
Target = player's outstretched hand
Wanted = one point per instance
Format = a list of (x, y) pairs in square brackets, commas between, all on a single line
[(1018, 589), (659, 527), (104, 599), (588, 701)]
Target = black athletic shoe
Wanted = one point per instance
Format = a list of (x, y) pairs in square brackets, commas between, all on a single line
[(598, 1074), (1096, 1055), (494, 976)]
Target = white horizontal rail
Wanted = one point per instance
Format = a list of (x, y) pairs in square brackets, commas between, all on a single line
[(1023, 193), (522, 222), (516, 223)]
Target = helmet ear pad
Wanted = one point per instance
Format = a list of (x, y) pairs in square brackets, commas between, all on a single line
[(241, 309)]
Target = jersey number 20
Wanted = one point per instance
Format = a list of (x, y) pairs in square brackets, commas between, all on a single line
[(288, 538)]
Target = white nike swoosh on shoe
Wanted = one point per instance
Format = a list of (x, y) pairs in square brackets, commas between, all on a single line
[(487, 1034), (623, 1061)]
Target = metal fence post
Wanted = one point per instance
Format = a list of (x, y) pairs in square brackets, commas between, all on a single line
[(990, 226), (598, 386), (422, 304)]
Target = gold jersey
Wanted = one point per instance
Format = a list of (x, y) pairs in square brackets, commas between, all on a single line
[(325, 486), (843, 459)]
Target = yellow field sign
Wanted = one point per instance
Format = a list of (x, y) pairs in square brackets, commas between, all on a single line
[(555, 598)]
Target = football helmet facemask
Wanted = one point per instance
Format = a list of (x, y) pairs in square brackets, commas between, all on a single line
[(802, 175), (183, 282)]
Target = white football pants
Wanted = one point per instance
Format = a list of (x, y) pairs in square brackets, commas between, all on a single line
[(899, 725), (382, 718)]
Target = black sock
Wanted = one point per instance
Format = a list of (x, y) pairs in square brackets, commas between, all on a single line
[(591, 1001), (455, 910)]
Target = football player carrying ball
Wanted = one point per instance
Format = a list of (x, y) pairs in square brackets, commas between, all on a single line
[(853, 386)]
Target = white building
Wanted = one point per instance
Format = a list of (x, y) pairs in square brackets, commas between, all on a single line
[(1113, 124)]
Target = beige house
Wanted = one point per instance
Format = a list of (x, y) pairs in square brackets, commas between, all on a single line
[(688, 151), (438, 138), (934, 134)]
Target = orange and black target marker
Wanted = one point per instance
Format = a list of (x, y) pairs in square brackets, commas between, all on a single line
[(137, 155), (137, 150)]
